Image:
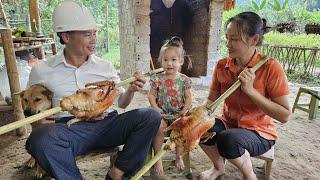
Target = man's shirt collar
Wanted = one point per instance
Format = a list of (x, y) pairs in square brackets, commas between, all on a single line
[(60, 59)]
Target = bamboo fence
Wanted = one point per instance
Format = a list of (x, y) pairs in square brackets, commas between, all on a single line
[(295, 59)]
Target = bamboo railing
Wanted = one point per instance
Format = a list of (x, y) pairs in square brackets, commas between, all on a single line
[(295, 59)]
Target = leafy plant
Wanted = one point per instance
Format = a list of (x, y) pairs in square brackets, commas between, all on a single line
[(276, 5), (258, 7)]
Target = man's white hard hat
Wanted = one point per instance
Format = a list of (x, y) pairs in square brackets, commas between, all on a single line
[(72, 16)]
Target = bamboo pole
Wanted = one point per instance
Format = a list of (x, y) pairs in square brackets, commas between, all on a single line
[(150, 163), (152, 65), (12, 71), (36, 117), (28, 120), (132, 79), (210, 109)]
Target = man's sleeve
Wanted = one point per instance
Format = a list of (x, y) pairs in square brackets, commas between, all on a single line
[(34, 77), (115, 77)]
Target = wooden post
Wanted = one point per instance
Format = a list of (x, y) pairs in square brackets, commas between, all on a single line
[(36, 23), (28, 23), (12, 71), (35, 15), (53, 46)]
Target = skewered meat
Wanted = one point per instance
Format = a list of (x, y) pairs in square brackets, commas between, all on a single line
[(187, 130), (91, 102)]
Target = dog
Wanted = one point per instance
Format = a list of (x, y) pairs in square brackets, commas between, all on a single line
[(35, 99)]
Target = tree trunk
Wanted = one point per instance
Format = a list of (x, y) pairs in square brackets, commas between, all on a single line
[(106, 41), (36, 24)]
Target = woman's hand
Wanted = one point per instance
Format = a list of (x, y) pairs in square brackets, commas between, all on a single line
[(159, 110), (247, 77)]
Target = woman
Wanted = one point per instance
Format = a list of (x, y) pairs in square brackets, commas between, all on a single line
[(246, 128)]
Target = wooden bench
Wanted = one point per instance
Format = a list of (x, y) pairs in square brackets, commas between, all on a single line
[(112, 153), (268, 157), (313, 106)]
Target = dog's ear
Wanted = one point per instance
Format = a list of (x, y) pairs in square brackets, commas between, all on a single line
[(21, 93), (48, 94)]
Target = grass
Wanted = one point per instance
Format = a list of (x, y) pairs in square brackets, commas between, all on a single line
[(112, 56)]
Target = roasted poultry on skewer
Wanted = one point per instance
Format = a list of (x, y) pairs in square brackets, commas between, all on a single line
[(188, 130), (91, 102)]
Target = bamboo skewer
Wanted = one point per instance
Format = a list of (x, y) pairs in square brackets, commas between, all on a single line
[(210, 109), (152, 65), (28, 120), (132, 79), (17, 124), (150, 163)]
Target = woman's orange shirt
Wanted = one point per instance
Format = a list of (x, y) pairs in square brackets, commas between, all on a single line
[(239, 110)]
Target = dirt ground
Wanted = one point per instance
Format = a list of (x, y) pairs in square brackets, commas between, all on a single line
[(296, 152)]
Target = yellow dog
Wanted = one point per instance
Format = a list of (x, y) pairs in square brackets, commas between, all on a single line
[(35, 99)]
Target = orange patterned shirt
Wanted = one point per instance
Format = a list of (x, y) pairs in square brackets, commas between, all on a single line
[(239, 111)]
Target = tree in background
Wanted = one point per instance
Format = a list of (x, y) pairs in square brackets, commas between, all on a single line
[(104, 11)]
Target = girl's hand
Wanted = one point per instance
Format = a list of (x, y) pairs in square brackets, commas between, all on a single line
[(159, 110), (182, 112), (247, 77)]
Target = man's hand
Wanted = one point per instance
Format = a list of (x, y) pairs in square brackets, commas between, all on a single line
[(125, 99), (138, 84)]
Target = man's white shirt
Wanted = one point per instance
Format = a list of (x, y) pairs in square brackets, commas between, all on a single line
[(64, 79)]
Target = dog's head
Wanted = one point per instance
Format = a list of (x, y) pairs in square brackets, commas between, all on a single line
[(35, 99)]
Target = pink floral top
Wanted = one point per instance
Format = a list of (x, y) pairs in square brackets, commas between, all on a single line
[(170, 92)]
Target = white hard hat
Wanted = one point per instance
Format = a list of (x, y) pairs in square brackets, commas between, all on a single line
[(72, 16)]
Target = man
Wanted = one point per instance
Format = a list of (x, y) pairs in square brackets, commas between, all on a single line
[(55, 146)]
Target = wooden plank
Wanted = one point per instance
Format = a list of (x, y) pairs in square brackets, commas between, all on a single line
[(28, 39), (5, 108), (32, 47)]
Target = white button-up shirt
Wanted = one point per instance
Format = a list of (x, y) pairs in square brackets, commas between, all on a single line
[(64, 79)]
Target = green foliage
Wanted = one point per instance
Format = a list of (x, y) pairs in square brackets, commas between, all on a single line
[(298, 13), (277, 6), (299, 77), (258, 7), (98, 8), (112, 56), (288, 39)]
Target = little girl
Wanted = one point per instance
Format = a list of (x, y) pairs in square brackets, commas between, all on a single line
[(170, 94)]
